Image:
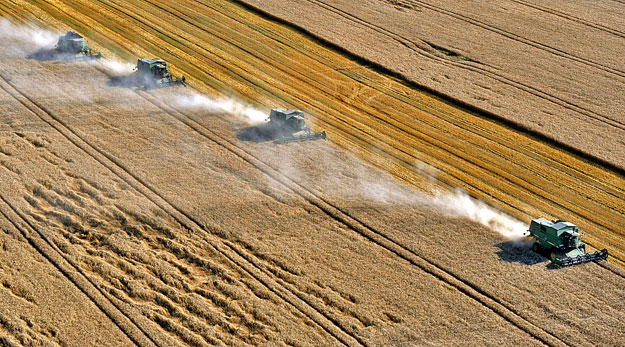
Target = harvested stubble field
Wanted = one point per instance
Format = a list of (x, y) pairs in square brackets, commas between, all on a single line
[(133, 217)]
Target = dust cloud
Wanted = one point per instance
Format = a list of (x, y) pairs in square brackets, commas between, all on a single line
[(244, 112), (451, 203), (371, 188), (24, 39), (113, 66), (460, 204)]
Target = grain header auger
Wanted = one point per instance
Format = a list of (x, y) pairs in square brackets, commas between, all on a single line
[(291, 126), (153, 73), (562, 241), (73, 44)]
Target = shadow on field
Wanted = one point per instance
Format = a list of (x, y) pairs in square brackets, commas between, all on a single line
[(126, 81), (47, 55), (519, 252), (259, 133)]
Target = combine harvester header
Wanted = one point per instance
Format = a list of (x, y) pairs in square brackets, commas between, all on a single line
[(562, 240)]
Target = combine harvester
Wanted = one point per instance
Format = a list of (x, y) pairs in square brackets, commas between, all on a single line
[(562, 240), (291, 126), (74, 46), (153, 73)]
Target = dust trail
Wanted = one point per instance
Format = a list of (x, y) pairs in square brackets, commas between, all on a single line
[(453, 204), (20, 39), (462, 205), (344, 177), (113, 66), (246, 113)]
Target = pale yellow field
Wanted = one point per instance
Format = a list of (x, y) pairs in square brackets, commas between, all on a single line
[(169, 230)]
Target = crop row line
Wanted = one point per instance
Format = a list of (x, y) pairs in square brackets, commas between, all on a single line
[(450, 149), (477, 67), (38, 240), (572, 18), (184, 219)]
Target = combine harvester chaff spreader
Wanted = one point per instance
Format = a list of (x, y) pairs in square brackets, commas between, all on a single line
[(291, 126), (74, 46), (562, 241)]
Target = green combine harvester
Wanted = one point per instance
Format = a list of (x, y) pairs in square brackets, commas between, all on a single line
[(73, 44), (153, 73), (562, 240), (291, 126)]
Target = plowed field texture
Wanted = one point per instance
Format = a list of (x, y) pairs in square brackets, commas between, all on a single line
[(169, 217)]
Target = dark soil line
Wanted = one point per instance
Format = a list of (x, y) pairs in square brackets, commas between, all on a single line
[(518, 38), (371, 234), (421, 107), (33, 107), (453, 154), (445, 181), (572, 18), (195, 225), (462, 105)]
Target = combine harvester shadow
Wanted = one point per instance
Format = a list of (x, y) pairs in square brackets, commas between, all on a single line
[(517, 252), (259, 133), (283, 126), (47, 55)]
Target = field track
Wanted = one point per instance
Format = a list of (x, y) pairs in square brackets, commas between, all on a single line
[(223, 47), (239, 257), (510, 170), (489, 71), (245, 262)]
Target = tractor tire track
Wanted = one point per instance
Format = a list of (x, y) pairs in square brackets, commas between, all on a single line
[(437, 271), (178, 39), (429, 140), (572, 18), (114, 311), (190, 221), (475, 67), (449, 149), (77, 277), (518, 38), (298, 302)]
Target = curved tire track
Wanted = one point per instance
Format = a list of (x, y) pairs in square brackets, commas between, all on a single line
[(118, 314), (477, 67), (572, 18), (261, 275), (369, 233)]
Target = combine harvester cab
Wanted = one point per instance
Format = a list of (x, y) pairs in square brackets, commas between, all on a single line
[(562, 240), (154, 74), (292, 127), (74, 45)]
